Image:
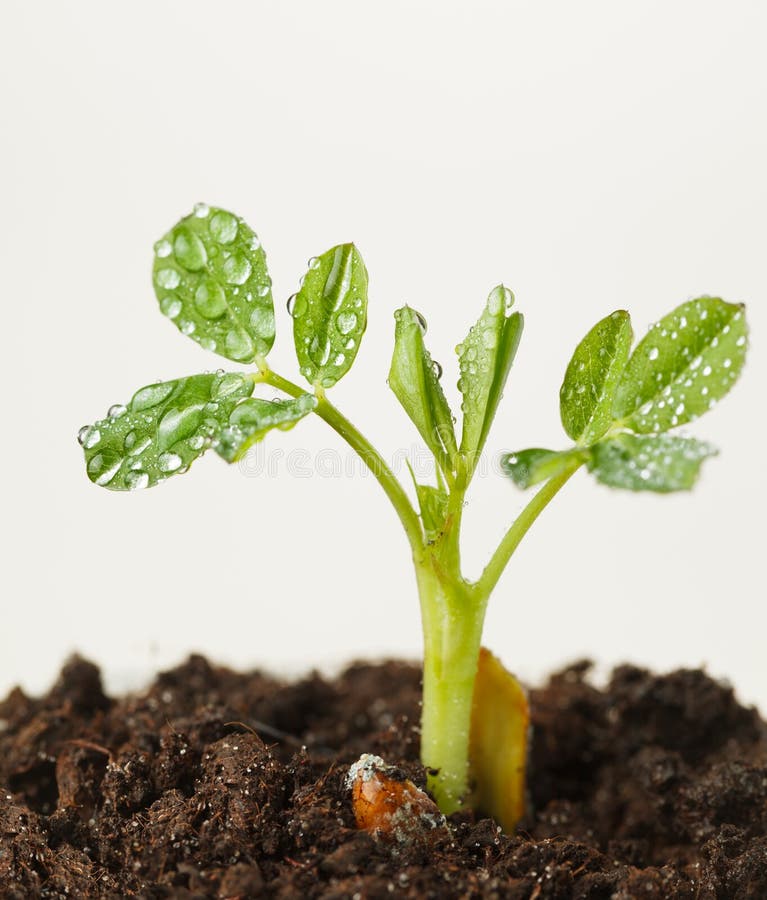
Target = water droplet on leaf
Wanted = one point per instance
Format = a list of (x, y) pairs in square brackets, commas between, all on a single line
[(210, 299), (168, 279), (189, 250), (346, 322), (237, 268), (223, 227)]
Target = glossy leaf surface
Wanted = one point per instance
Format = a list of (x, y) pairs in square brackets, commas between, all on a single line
[(529, 467), (686, 362), (252, 419), (330, 314), (485, 358), (661, 463), (588, 390), (211, 280), (414, 378), (164, 428)]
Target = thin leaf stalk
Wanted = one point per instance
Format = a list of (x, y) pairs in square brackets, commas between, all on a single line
[(364, 449)]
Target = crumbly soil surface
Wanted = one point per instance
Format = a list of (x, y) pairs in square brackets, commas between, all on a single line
[(214, 784)]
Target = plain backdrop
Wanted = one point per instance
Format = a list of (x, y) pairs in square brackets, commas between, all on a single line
[(591, 155)]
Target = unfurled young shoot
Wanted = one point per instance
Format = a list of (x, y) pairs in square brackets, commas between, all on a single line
[(617, 406)]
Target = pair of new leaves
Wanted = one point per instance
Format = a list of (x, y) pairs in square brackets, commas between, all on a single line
[(617, 406), (211, 279)]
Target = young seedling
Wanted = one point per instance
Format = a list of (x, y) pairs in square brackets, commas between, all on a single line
[(617, 406)]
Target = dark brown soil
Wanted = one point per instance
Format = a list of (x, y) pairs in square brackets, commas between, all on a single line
[(223, 785)]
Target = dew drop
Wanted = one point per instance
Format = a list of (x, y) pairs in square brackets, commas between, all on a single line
[(170, 306), (187, 327), (319, 351), (436, 369), (422, 323), (297, 305), (262, 322), (116, 410), (346, 322), (727, 363), (151, 395), (339, 359), (102, 470), (201, 210), (495, 302), (169, 462), (314, 263), (162, 249), (88, 436), (137, 480), (238, 344), (176, 425), (223, 227), (227, 385), (167, 279), (210, 299), (707, 370), (237, 269), (189, 250)]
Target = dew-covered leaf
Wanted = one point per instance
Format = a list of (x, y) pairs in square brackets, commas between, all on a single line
[(660, 462), (163, 429), (330, 314), (529, 467), (485, 358), (414, 378), (432, 503), (211, 280), (588, 390), (685, 363), (252, 419)]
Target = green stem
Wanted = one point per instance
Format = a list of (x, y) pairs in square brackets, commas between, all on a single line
[(452, 630), (519, 528), (360, 444)]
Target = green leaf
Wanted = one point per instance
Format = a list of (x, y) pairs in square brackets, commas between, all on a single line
[(330, 314), (163, 429), (485, 358), (252, 419), (529, 467), (661, 463), (686, 362), (211, 279), (414, 378), (588, 390), (432, 503)]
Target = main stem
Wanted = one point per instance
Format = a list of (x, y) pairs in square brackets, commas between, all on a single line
[(452, 608), (452, 631)]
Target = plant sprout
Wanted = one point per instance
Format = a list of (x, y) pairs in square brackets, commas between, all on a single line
[(617, 406)]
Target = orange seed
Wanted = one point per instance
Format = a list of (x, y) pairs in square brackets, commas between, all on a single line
[(387, 803)]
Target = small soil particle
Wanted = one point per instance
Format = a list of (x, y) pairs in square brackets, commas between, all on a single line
[(214, 784)]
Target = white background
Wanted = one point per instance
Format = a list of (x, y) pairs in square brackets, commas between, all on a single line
[(591, 155)]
